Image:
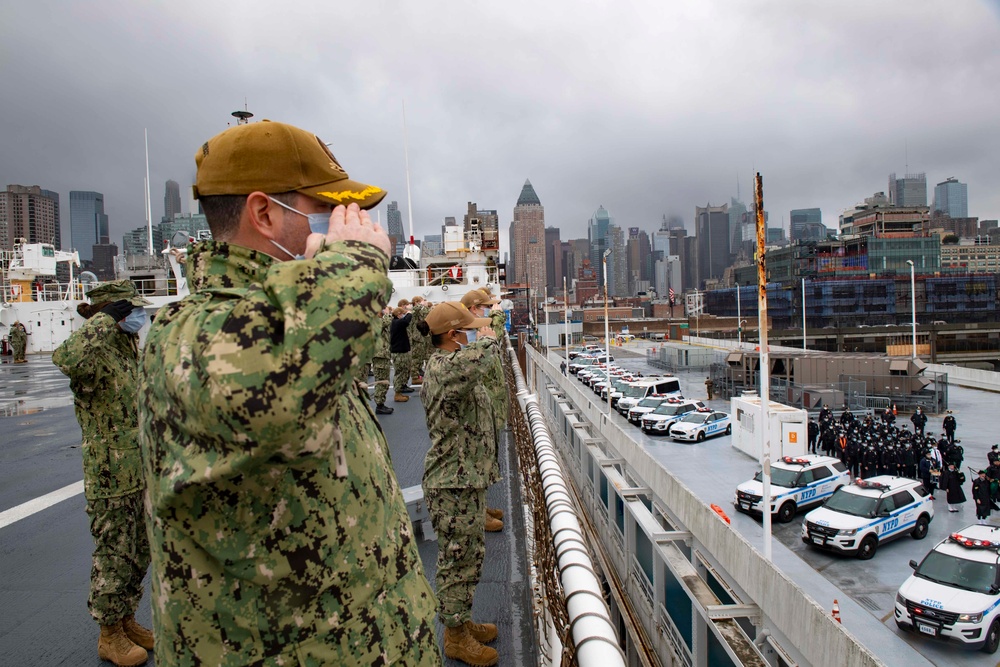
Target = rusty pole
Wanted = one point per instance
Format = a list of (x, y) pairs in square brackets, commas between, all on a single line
[(765, 388)]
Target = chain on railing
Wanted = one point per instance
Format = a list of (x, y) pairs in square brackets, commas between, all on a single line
[(549, 593)]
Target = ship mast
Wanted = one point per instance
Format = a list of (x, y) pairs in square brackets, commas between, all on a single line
[(411, 251), (149, 209)]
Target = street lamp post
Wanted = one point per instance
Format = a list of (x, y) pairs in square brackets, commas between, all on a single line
[(803, 313), (607, 335), (739, 320), (913, 306)]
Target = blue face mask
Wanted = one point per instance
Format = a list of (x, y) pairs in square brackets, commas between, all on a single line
[(319, 223), (470, 334), (134, 320)]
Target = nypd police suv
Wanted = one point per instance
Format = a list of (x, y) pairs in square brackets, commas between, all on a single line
[(954, 593), (701, 424), (796, 482), (660, 419), (858, 518)]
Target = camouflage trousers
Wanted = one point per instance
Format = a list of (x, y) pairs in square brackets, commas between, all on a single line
[(421, 353), (381, 365), (401, 362), (18, 349), (121, 556), (459, 517)]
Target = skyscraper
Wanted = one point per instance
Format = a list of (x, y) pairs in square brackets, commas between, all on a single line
[(617, 262), (88, 223), (807, 225), (489, 225), (597, 233), (171, 200), (394, 227), (30, 213), (951, 198), (527, 234), (712, 234), (553, 259), (640, 259), (737, 218), (911, 190)]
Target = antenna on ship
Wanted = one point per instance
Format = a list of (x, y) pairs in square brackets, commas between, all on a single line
[(243, 115), (411, 251), (149, 208)]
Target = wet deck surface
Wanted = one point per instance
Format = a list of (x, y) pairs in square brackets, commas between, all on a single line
[(45, 557)]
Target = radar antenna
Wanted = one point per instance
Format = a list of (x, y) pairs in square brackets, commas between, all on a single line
[(243, 115)]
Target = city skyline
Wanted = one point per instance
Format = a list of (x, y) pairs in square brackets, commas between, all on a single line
[(657, 141)]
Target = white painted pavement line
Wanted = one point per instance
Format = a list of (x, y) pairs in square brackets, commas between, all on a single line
[(24, 510)]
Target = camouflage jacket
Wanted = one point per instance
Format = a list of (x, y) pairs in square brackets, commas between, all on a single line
[(102, 363), (460, 417), (499, 323), (418, 341), (279, 532), (382, 324), (18, 336)]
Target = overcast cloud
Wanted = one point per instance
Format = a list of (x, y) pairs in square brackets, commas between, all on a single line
[(648, 108)]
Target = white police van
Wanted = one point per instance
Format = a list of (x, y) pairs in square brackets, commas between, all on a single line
[(701, 424), (858, 518), (796, 482), (659, 420), (649, 386), (954, 592)]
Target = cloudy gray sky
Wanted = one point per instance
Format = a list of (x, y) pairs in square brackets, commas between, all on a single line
[(645, 107)]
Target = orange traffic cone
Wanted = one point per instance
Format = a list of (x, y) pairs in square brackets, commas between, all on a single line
[(836, 611)]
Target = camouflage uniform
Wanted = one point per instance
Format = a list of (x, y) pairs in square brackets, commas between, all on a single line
[(279, 532), (381, 360), (458, 468), (18, 340), (102, 363), (496, 385), (420, 345)]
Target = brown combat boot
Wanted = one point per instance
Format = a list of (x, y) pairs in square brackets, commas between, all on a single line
[(401, 398), (417, 380), (138, 634), (115, 647), (461, 645), (493, 525), (494, 512), (483, 633)]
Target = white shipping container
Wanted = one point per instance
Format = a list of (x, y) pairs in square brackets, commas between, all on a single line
[(789, 432)]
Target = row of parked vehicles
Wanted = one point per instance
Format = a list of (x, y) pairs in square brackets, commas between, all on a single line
[(655, 404), (953, 593)]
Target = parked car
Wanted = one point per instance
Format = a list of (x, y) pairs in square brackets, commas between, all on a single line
[(858, 518)]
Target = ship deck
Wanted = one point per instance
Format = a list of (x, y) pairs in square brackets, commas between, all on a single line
[(45, 548)]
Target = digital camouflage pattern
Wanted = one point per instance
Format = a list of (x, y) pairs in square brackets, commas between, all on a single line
[(460, 418), (459, 517), (279, 534), (18, 340), (121, 556), (496, 385), (381, 363), (420, 345), (401, 363), (102, 363)]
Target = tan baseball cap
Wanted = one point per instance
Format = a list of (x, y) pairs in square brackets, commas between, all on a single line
[(453, 315), (275, 157)]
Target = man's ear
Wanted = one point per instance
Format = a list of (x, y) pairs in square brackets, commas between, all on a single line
[(265, 217)]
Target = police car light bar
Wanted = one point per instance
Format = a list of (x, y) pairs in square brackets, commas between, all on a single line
[(864, 484), (794, 461), (973, 543)]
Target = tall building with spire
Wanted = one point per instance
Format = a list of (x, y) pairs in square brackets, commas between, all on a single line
[(597, 234), (171, 200), (527, 239)]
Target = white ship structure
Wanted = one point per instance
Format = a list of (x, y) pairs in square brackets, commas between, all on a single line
[(32, 293)]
